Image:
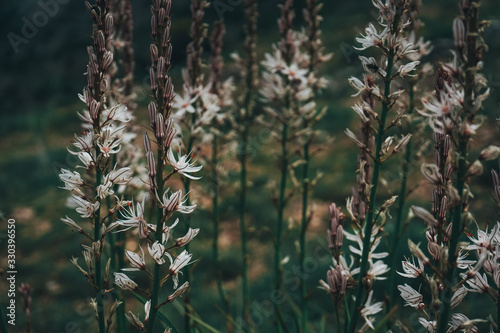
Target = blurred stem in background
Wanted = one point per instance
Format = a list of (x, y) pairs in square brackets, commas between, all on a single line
[(194, 53), (246, 118), (287, 50), (216, 68)]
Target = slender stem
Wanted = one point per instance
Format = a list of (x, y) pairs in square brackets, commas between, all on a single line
[(498, 310), (302, 236), (251, 72), (158, 235), (121, 310), (281, 210), (243, 227), (215, 242), (396, 237), (117, 263), (187, 273), (337, 316), (473, 49), (455, 233), (98, 266), (373, 192)]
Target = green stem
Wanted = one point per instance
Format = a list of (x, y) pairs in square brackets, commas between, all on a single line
[(243, 228), (473, 49), (396, 237), (455, 234), (158, 235), (121, 310), (215, 243), (116, 253), (98, 266), (187, 273), (302, 236), (373, 193), (498, 310), (281, 210), (337, 316)]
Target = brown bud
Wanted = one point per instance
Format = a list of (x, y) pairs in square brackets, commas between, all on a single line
[(459, 34), (147, 143), (154, 54), (153, 110)]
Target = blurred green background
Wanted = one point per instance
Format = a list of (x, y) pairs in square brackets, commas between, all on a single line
[(39, 83)]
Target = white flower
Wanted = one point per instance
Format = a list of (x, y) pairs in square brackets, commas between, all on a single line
[(458, 296), (360, 86), (118, 112), (105, 189), (157, 251), (294, 72), (71, 223), (183, 164), (71, 179), (370, 309), (136, 260), (147, 309), (191, 233), (124, 282), (84, 142), (111, 140), (135, 218), (179, 292), (120, 177), (175, 202), (430, 326), (411, 270), (184, 104), (370, 65), (166, 231), (484, 239), (437, 107), (412, 297), (372, 37), (479, 283), (461, 322), (374, 241), (85, 208), (86, 159), (273, 63), (176, 265), (404, 70)]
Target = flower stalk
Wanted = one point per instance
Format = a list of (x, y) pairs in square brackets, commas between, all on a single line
[(473, 56), (246, 119)]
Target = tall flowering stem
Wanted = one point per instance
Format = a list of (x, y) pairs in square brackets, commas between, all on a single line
[(286, 49), (423, 49), (245, 119), (194, 62), (159, 113), (103, 22), (368, 220), (471, 54), (104, 123), (309, 117), (216, 67)]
